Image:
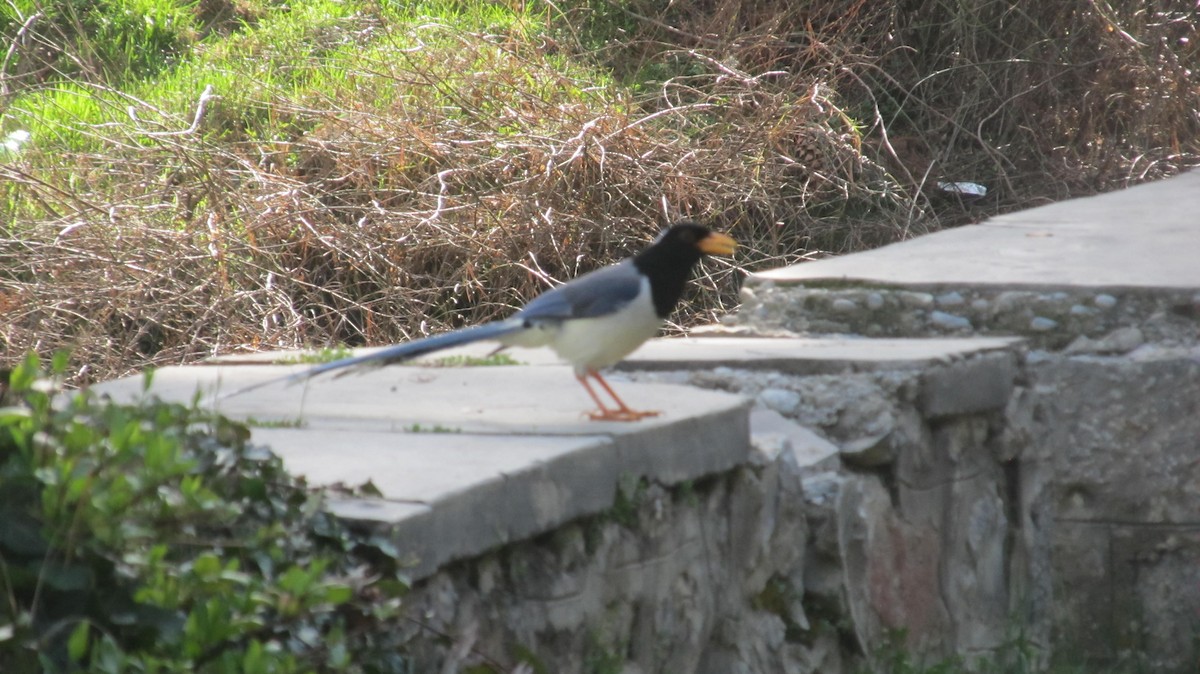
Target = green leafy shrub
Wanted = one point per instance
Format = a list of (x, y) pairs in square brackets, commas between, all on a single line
[(95, 40), (156, 538)]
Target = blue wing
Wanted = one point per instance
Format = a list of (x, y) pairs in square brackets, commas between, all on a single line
[(597, 293)]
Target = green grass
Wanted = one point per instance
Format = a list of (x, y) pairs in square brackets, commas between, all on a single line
[(270, 82), (248, 71), (296, 52), (254, 422), (474, 361), (111, 40), (319, 357), (435, 428)]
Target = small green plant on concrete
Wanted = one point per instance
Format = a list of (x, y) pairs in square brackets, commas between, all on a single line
[(892, 657), (631, 491), (156, 538), (435, 428), (474, 361), (602, 657), (255, 422), (780, 597), (319, 357), (685, 493)]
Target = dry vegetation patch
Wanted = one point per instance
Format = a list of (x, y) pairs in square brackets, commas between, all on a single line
[(382, 176)]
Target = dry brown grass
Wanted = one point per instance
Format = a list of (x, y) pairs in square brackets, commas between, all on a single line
[(1036, 100), (446, 185)]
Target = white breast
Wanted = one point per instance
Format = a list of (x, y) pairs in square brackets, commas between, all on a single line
[(595, 343)]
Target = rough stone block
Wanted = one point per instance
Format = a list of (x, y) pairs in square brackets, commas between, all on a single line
[(769, 429), (979, 384)]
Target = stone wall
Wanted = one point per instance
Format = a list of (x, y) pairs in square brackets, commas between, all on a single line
[(1110, 500), (1049, 490), (1086, 485), (911, 524), (786, 565), (699, 577)]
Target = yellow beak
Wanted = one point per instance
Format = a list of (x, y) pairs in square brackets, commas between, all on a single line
[(717, 244)]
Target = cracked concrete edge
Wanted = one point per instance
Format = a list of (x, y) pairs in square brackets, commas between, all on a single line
[(545, 495)]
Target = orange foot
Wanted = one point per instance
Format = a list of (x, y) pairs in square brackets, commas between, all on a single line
[(603, 413), (621, 415)]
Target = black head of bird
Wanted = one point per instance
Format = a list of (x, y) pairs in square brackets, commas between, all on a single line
[(668, 262)]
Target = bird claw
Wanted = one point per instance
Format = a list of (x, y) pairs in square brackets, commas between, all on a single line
[(621, 415)]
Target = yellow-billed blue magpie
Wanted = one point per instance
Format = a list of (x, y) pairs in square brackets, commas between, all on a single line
[(591, 322)]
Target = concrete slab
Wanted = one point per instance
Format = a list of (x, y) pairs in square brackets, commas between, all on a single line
[(809, 355), (522, 400), (417, 467), (468, 459), (457, 495), (1143, 237)]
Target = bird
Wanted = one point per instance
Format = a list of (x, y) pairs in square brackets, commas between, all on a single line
[(591, 322)]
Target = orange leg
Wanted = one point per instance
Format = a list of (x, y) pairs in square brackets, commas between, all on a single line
[(599, 403), (622, 413)]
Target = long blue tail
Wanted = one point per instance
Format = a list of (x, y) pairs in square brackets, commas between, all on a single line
[(394, 354)]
